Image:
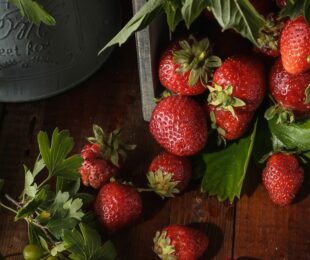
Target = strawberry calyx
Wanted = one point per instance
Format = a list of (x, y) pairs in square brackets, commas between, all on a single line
[(195, 57), (163, 247), (162, 183), (284, 115), (111, 146), (221, 132), (269, 35), (222, 98), (163, 95), (308, 59)]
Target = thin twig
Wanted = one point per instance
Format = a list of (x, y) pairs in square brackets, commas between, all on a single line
[(44, 229), (8, 208), (12, 200)]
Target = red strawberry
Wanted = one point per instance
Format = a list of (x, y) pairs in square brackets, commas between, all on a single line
[(282, 178), (238, 84), (97, 172), (91, 151), (229, 126), (102, 157), (185, 66), (169, 174), (179, 125), (180, 242), (117, 206), (295, 46), (290, 91)]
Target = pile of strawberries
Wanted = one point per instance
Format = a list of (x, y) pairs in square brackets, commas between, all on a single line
[(235, 90)]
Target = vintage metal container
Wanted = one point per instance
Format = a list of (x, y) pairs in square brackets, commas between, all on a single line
[(41, 61)]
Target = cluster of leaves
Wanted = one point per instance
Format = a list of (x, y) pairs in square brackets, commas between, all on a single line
[(296, 8), (55, 218), (34, 12)]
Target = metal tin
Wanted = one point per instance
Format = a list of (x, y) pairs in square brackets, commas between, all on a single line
[(41, 61)]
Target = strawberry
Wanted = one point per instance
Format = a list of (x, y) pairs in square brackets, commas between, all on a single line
[(180, 242), (102, 157), (295, 46), (290, 91), (238, 84), (91, 151), (185, 66), (178, 124), (97, 172), (282, 178), (229, 126), (117, 206), (169, 174)]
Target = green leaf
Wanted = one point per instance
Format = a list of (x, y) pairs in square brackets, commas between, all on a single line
[(294, 136), (74, 207), (34, 234), (239, 15), (226, 168), (60, 247), (141, 19), (32, 205), (43, 243), (85, 197), (30, 188), (55, 154), (38, 166), (191, 9), (173, 12), (58, 225), (86, 244), (34, 12), (293, 9), (66, 185)]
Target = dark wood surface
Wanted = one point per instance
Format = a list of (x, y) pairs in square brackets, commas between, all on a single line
[(253, 228)]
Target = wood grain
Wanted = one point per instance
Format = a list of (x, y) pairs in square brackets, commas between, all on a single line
[(253, 228)]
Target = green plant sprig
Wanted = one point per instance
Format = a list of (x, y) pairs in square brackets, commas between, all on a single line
[(55, 218)]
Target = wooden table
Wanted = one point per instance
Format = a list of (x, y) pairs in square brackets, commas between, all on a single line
[(253, 228)]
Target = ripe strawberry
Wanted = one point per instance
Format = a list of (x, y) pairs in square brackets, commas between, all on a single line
[(91, 152), (102, 157), (238, 84), (117, 206), (290, 91), (282, 178), (169, 174), (97, 172), (179, 125), (229, 126), (185, 66), (295, 46), (180, 242)]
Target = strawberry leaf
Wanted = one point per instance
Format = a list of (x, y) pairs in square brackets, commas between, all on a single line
[(294, 136), (296, 8), (141, 19), (191, 9), (173, 12), (226, 168), (34, 12), (239, 15)]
